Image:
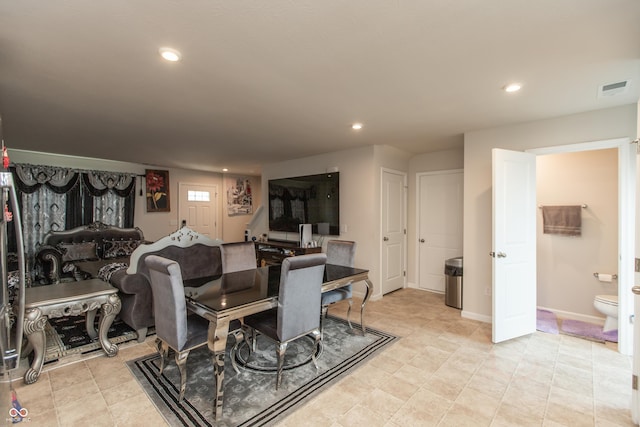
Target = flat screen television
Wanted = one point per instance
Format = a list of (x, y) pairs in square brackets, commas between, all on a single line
[(311, 199)]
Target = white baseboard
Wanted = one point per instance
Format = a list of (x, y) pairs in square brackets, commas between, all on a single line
[(476, 316), (415, 286), (560, 313), (575, 316), (371, 297)]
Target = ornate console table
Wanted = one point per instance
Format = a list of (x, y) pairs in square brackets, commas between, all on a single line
[(68, 299)]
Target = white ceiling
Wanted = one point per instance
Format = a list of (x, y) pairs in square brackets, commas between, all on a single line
[(268, 80)]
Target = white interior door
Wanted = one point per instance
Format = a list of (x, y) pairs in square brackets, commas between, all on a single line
[(514, 244), (198, 207), (440, 224), (393, 230)]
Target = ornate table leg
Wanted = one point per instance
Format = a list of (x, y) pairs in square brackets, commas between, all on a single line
[(108, 312), (367, 294), (217, 343), (90, 324), (34, 323)]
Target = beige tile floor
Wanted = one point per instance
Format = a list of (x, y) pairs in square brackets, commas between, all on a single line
[(443, 371)]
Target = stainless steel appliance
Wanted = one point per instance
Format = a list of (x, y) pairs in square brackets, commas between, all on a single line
[(11, 291)]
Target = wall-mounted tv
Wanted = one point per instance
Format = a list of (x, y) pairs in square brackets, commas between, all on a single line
[(311, 199)]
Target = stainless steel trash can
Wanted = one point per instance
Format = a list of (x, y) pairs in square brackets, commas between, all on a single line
[(453, 282)]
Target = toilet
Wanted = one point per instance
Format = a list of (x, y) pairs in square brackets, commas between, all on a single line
[(608, 305)]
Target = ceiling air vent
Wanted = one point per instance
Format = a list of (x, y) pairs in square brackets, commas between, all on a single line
[(613, 89)]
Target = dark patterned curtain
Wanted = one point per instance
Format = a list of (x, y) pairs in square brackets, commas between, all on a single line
[(109, 197), (48, 198), (54, 199)]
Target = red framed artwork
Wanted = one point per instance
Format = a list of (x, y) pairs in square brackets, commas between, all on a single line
[(157, 183)]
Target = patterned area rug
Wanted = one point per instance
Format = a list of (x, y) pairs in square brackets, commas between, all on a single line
[(68, 335), (250, 397)]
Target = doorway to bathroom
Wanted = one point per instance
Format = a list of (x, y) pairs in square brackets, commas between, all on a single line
[(573, 269), (514, 309), (618, 241)]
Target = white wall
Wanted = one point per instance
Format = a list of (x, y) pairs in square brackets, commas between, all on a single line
[(565, 264), (360, 170), (357, 198), (428, 162), (591, 126), (154, 225)]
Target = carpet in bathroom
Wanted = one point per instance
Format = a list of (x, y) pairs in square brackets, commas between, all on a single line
[(588, 331), (546, 321)]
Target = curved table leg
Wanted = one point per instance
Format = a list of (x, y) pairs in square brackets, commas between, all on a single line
[(34, 323), (367, 295), (108, 312), (90, 324), (217, 343)]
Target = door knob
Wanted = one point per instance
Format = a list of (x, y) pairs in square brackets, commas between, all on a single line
[(421, 240), (497, 254), (386, 239)]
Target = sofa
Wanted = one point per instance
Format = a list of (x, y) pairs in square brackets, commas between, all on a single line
[(199, 260), (80, 253)]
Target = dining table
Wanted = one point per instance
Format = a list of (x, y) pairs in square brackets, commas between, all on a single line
[(241, 293)]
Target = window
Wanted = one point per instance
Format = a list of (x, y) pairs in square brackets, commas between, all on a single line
[(198, 196)]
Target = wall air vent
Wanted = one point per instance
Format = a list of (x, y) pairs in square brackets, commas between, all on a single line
[(613, 89)]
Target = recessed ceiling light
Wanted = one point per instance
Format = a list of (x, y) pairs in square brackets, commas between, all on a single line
[(512, 87), (225, 170), (356, 126), (169, 54)]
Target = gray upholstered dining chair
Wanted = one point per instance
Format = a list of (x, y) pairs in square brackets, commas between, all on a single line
[(238, 256), (175, 329), (298, 311), (339, 252)]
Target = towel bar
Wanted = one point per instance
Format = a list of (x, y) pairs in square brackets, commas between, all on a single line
[(584, 206)]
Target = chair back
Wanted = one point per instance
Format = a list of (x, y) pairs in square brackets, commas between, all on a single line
[(299, 295), (169, 306), (341, 252), (238, 256)]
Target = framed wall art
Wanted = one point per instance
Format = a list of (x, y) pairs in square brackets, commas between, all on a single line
[(239, 196), (157, 183)]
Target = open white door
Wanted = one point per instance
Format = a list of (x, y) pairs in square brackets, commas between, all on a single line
[(514, 244), (393, 221)]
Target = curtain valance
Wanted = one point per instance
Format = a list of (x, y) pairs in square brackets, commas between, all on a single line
[(98, 183), (29, 178)]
